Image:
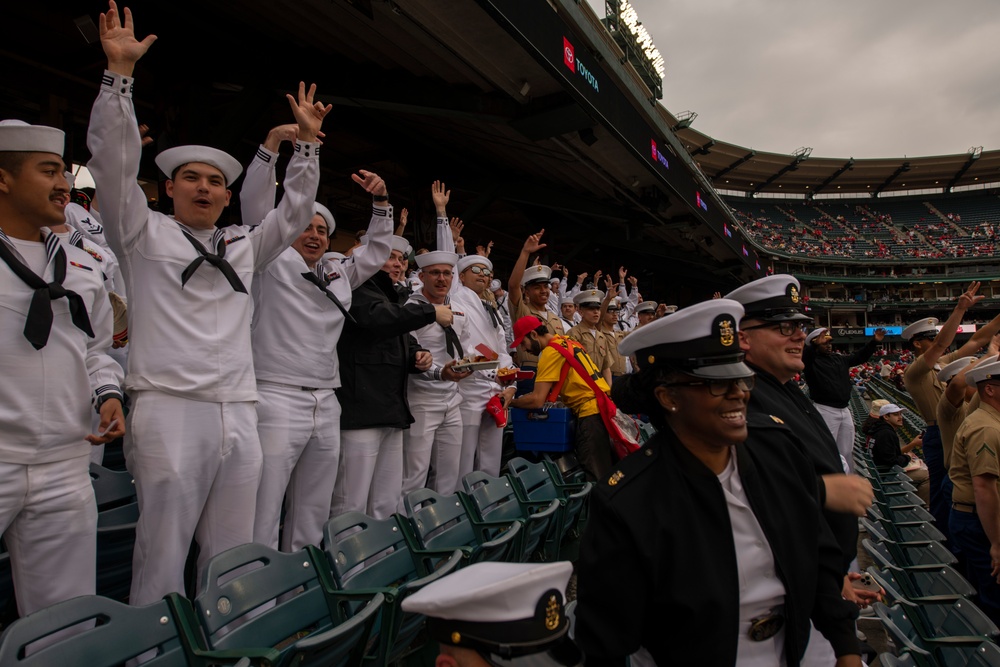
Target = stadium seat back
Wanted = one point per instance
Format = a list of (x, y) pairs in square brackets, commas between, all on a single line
[(115, 544), (443, 522), (102, 633), (112, 488), (494, 499)]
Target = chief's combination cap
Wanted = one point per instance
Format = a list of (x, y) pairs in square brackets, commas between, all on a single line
[(816, 333), (772, 299), (925, 328), (171, 159), (506, 609), (646, 307), (983, 373), (324, 212), (473, 260), (588, 297), (700, 340), (437, 257), (536, 273), (952, 369), (18, 136)]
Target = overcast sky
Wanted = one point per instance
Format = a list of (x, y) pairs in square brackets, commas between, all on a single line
[(852, 78)]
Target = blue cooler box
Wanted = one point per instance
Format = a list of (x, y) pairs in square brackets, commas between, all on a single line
[(552, 430)]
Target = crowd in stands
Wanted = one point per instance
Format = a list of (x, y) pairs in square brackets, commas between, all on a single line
[(861, 232)]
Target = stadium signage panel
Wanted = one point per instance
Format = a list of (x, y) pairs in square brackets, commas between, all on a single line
[(553, 43), (842, 331), (890, 331)]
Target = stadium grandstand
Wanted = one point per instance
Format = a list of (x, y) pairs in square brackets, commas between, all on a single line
[(539, 115)]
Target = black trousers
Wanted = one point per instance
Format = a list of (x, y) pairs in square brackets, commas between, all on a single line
[(593, 447)]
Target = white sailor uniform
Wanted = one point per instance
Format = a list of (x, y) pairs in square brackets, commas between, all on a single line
[(295, 329), (482, 439), (434, 439), (194, 452), (47, 511), (113, 283)]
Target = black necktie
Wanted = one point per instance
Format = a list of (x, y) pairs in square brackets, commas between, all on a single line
[(497, 322), (217, 261), (453, 344), (322, 285), (39, 322)]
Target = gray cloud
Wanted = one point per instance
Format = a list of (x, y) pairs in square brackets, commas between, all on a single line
[(861, 78)]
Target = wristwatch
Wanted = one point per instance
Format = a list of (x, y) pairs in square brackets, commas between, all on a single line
[(380, 198)]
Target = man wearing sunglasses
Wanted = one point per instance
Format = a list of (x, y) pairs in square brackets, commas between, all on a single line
[(773, 334)]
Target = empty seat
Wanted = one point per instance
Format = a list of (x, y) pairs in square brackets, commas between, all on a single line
[(494, 499)]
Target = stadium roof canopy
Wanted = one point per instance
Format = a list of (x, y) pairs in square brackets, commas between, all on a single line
[(733, 167)]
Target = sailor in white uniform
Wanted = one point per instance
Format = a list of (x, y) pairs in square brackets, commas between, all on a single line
[(434, 439), (55, 330), (301, 301), (482, 439), (195, 454)]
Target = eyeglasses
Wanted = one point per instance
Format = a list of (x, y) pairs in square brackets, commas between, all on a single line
[(437, 273), (718, 387), (786, 329), (479, 270)]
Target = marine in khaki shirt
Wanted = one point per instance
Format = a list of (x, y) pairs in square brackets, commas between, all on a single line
[(976, 452), (529, 293), (599, 346)]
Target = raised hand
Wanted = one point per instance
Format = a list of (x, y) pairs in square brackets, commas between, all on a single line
[(441, 197), (144, 135), (597, 277), (534, 243), (371, 182), (457, 226), (621, 274), (580, 278), (633, 281), (118, 40), (403, 217), (608, 283), (287, 132), (661, 310), (970, 298), (308, 113)]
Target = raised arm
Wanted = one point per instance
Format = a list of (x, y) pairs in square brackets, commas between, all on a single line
[(260, 181), (367, 259), (946, 335), (532, 245), (981, 337), (284, 224), (113, 134)]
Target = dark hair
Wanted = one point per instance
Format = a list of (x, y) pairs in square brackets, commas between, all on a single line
[(543, 330), (12, 161)]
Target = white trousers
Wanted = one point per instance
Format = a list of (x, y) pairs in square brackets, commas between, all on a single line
[(370, 477), (196, 467), (48, 517), (300, 439), (482, 442), (433, 439), (841, 425)]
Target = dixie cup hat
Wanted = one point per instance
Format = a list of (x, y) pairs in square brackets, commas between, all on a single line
[(170, 160)]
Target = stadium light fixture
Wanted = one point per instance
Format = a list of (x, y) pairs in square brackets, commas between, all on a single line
[(975, 152), (684, 120), (802, 153)]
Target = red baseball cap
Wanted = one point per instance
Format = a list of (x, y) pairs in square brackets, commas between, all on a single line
[(522, 327)]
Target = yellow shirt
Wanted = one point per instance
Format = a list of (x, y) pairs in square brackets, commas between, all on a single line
[(576, 393)]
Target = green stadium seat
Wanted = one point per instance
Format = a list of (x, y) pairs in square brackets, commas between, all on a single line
[(927, 585), (254, 596), (951, 651), (163, 632), (115, 544), (533, 482), (372, 555), (438, 523), (901, 516), (494, 499), (111, 488), (902, 533), (907, 556)]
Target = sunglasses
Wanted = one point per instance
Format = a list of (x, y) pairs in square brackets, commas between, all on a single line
[(785, 328), (718, 387), (479, 270)]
